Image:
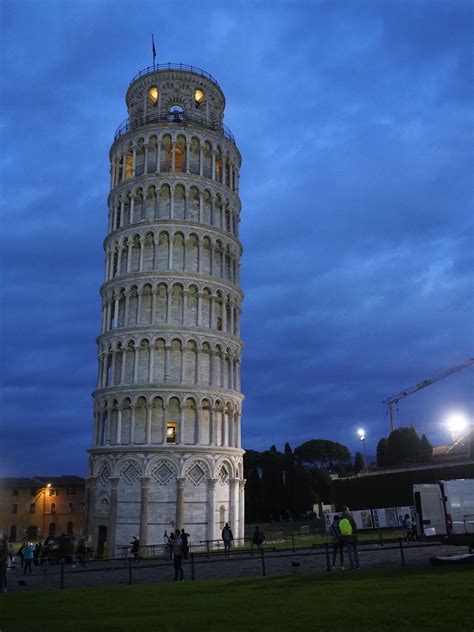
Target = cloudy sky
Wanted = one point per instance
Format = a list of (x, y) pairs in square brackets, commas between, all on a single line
[(355, 122)]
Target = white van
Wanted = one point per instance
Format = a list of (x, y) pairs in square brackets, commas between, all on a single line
[(445, 510)]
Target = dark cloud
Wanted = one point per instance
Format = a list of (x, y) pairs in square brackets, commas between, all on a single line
[(354, 122)]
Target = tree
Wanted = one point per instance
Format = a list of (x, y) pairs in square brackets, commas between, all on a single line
[(322, 453), (382, 448), (426, 450), (403, 446), (358, 463)]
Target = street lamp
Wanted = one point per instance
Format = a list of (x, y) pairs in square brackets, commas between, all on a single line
[(48, 486), (457, 423), (361, 433)]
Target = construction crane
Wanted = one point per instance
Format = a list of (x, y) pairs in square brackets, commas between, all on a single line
[(413, 389)]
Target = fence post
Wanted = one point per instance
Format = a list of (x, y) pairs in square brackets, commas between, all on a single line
[(293, 542), (193, 576), (264, 572), (62, 575), (129, 570), (402, 554), (328, 561)]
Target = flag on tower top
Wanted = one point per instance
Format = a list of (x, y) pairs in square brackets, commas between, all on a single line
[(153, 49)]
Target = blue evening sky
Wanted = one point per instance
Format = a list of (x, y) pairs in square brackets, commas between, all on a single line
[(355, 123)]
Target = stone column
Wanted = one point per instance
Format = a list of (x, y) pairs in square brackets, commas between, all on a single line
[(132, 424), (119, 425), (186, 155), (126, 315), (234, 506), (167, 362), (173, 156), (129, 255), (139, 306), (145, 481), (180, 482), (158, 156), (154, 298), (211, 508), (201, 161), (184, 314), (149, 408), (112, 368), (145, 166), (91, 483), (242, 508), (151, 353), (124, 365), (212, 430), (142, 252), (181, 426), (112, 530), (135, 364), (199, 309)]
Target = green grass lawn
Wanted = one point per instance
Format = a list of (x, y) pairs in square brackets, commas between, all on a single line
[(428, 599)]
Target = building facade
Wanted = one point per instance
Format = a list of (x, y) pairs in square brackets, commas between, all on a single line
[(167, 442), (34, 508)]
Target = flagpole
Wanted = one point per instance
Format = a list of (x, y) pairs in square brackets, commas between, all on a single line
[(153, 49)]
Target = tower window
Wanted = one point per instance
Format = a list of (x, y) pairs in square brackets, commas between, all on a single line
[(176, 113), (198, 97), (171, 433), (53, 507), (153, 95), (128, 166)]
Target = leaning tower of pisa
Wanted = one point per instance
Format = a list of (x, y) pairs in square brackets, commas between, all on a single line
[(166, 447)]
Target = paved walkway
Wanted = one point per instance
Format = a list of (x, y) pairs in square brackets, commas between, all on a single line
[(241, 564)]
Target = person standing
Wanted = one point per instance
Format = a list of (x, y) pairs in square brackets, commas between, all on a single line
[(184, 544), (407, 525), (177, 557), (135, 542), (348, 530), (337, 543), (258, 538), (28, 554), (81, 553), (227, 537), (3, 564)]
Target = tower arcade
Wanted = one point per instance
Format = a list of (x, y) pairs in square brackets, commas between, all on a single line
[(166, 450)]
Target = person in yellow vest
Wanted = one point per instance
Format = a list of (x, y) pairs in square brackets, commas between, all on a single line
[(348, 531)]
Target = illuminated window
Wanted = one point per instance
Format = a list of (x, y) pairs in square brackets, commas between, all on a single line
[(53, 492), (129, 166), (53, 507), (170, 433), (153, 95), (176, 113), (198, 97)]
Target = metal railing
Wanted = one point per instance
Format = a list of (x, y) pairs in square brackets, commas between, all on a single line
[(170, 66), (174, 117), (261, 559)]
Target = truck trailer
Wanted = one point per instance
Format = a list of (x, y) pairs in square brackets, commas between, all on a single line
[(445, 511)]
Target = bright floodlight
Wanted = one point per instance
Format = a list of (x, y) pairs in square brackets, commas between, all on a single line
[(457, 422), (361, 433)]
